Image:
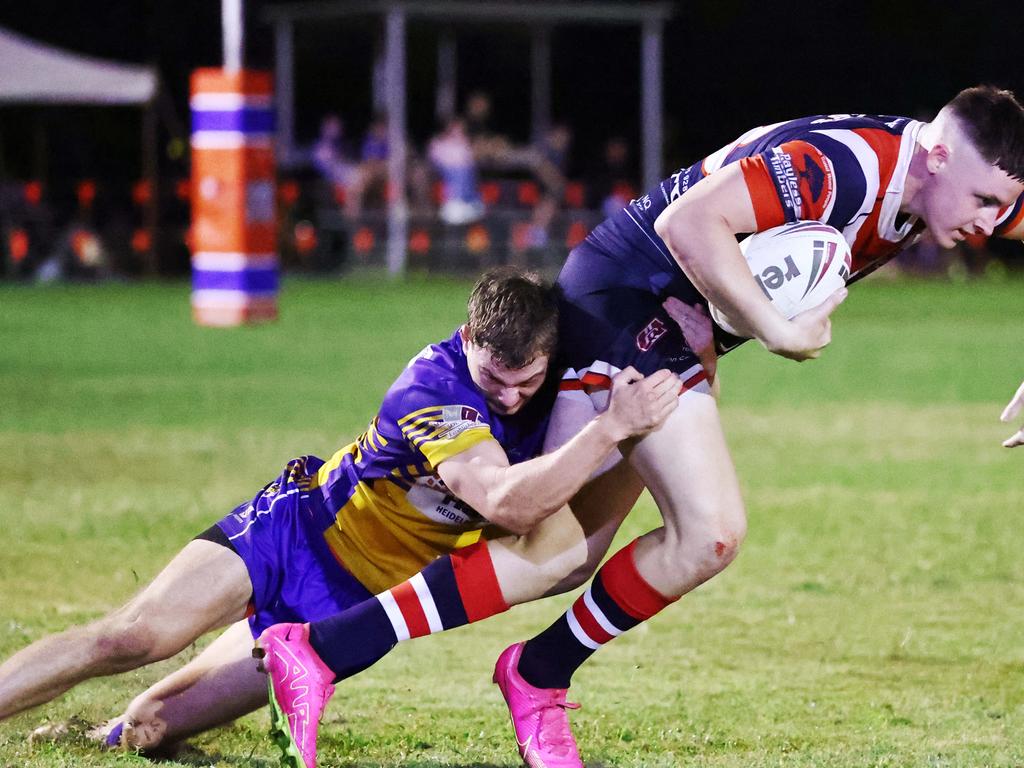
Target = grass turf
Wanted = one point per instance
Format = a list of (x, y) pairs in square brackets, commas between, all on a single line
[(871, 620)]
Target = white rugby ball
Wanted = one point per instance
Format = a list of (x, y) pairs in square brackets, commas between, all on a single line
[(797, 266)]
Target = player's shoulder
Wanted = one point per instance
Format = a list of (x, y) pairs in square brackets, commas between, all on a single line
[(436, 378), (861, 148), (890, 124)]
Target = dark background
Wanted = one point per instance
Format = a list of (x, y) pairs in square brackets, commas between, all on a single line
[(729, 65)]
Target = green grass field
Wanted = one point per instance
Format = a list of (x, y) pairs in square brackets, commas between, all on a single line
[(873, 618)]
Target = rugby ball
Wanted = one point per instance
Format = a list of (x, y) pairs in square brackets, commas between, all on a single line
[(797, 266)]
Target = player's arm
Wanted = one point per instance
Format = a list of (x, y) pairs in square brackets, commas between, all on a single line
[(519, 496), (700, 229)]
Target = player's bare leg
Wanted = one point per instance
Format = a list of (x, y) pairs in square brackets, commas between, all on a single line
[(220, 685), (563, 551), (690, 473), (204, 587), (687, 468)]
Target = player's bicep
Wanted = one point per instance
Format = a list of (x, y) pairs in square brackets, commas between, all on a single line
[(722, 198), (794, 181), (471, 474)]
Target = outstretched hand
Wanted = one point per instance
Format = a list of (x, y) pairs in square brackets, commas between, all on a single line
[(1009, 413)]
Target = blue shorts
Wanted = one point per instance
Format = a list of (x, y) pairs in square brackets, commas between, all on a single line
[(610, 313), (279, 536)]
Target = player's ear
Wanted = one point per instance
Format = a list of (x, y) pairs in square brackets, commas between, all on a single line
[(938, 157), (464, 335)]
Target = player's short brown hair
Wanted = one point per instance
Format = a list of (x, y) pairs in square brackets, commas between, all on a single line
[(994, 120), (513, 314)]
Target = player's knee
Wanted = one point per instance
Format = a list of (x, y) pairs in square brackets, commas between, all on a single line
[(126, 641), (576, 577), (702, 550), (720, 541), (728, 535)]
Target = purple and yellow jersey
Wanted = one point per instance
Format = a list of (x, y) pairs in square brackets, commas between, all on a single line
[(392, 513)]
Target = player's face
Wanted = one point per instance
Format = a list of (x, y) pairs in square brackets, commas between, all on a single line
[(506, 390), (964, 194)]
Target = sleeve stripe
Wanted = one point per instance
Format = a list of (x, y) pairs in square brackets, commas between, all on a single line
[(1012, 217), (438, 451), (421, 414), (763, 195)]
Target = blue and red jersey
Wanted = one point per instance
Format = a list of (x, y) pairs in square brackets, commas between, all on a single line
[(847, 171)]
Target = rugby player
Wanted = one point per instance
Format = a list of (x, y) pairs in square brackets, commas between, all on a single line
[(883, 182), (453, 448)]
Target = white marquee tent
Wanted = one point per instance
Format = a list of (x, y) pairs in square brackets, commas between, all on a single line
[(36, 73)]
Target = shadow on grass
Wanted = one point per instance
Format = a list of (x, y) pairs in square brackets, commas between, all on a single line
[(194, 756)]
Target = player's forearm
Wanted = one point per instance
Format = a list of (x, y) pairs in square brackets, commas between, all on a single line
[(522, 495), (709, 256)]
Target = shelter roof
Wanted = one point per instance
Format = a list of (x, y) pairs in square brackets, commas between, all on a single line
[(35, 73)]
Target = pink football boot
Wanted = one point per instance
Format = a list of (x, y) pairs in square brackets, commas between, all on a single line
[(299, 684), (538, 715)]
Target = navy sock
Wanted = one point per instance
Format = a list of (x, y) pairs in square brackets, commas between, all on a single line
[(617, 599), (451, 591), (350, 641)]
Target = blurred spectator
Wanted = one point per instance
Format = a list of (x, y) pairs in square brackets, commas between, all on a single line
[(451, 154), (370, 182), (330, 153), (551, 159), (370, 178), (611, 186), (487, 145)]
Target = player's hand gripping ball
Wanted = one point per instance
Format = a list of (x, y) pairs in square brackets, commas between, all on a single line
[(797, 266)]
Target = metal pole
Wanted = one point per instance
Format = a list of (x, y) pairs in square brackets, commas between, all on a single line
[(284, 89), (447, 64), (398, 213), (540, 83), (151, 172), (379, 78), (233, 29), (651, 106)]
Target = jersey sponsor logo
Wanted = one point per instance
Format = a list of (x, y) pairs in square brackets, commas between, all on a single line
[(449, 431), (804, 178), (456, 419), (453, 413), (641, 203), (684, 178), (649, 336), (780, 163), (680, 183), (440, 506)]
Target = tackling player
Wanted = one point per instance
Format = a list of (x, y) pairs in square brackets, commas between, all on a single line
[(449, 452), (880, 180)]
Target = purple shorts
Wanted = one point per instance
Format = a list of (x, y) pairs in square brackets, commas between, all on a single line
[(279, 536)]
